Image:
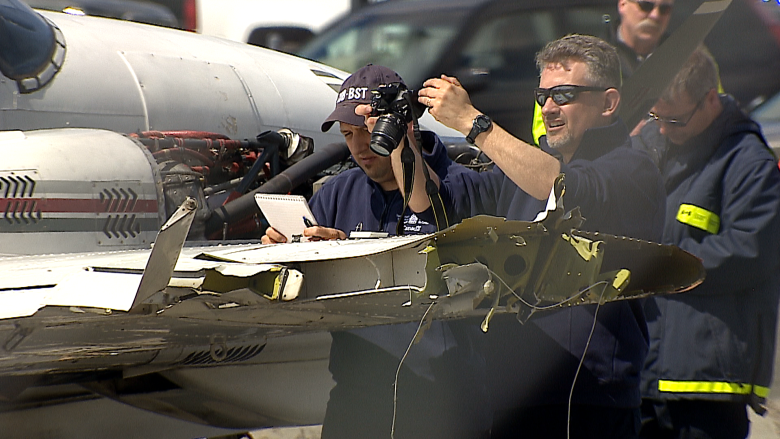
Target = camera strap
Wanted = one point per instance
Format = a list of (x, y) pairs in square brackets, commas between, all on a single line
[(408, 164)]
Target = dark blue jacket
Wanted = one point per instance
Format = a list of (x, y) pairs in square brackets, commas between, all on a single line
[(443, 358), (717, 341), (619, 191), (351, 200)]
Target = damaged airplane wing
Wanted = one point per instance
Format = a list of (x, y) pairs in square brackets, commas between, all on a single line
[(86, 312), (163, 329)]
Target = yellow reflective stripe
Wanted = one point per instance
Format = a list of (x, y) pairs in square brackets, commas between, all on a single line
[(537, 128), (697, 217), (711, 387)]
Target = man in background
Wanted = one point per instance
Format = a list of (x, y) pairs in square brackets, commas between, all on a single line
[(712, 349), (642, 26)]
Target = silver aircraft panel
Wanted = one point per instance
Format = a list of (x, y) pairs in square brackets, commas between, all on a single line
[(128, 77)]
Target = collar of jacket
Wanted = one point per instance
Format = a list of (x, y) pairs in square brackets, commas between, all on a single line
[(730, 121), (595, 142), (680, 161)]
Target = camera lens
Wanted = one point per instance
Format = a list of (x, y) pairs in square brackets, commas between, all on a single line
[(387, 134)]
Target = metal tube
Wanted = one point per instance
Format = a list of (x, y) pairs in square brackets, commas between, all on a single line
[(283, 183)]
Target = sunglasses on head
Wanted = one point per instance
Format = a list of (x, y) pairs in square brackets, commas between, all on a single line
[(647, 6), (563, 94)]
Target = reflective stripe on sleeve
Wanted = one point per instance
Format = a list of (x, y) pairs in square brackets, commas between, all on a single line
[(697, 217), (711, 387)]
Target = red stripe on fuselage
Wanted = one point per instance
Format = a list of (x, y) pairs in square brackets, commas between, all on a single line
[(73, 205)]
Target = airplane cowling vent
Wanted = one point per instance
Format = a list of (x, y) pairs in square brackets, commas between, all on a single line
[(17, 186), (22, 212), (123, 211), (234, 354), (118, 199), (121, 226), (17, 191)]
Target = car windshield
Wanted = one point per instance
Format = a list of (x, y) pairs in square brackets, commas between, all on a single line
[(408, 45)]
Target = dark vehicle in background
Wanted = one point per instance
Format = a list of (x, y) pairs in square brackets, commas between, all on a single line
[(490, 45), (131, 10)]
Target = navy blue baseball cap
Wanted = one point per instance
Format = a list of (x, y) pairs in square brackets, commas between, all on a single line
[(356, 90)]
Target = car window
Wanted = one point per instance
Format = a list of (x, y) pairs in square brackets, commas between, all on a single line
[(408, 45), (497, 63), (505, 47), (594, 20)]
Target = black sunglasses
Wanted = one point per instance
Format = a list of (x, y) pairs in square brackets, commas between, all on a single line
[(647, 7), (673, 121), (563, 94)]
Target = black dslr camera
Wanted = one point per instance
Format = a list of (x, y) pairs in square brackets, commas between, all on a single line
[(397, 106)]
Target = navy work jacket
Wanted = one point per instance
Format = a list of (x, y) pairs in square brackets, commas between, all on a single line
[(619, 191), (717, 341), (352, 201)]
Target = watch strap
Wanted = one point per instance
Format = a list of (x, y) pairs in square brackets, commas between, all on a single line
[(480, 124)]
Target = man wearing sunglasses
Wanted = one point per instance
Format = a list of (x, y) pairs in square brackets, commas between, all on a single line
[(532, 367), (712, 349), (642, 25), (641, 28)]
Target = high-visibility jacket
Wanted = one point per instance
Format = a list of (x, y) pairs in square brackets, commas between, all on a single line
[(717, 342)]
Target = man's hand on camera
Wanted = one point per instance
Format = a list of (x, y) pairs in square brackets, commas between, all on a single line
[(319, 233), (448, 102), (365, 111)]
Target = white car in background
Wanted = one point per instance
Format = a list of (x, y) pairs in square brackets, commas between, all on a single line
[(277, 24), (267, 21)]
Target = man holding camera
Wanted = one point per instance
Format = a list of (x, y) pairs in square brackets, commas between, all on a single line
[(573, 370), (367, 198), (440, 393)]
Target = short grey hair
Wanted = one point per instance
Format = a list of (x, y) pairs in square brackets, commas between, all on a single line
[(696, 78), (600, 57)]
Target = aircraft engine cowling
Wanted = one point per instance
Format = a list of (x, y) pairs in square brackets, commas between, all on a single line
[(97, 189)]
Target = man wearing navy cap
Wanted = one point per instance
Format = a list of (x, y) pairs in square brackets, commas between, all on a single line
[(440, 390), (367, 198)]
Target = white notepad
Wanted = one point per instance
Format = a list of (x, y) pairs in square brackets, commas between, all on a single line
[(286, 214)]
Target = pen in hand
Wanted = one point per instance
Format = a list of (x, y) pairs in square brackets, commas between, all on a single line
[(307, 222)]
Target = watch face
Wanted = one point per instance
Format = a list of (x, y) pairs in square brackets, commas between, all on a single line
[(481, 124)]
